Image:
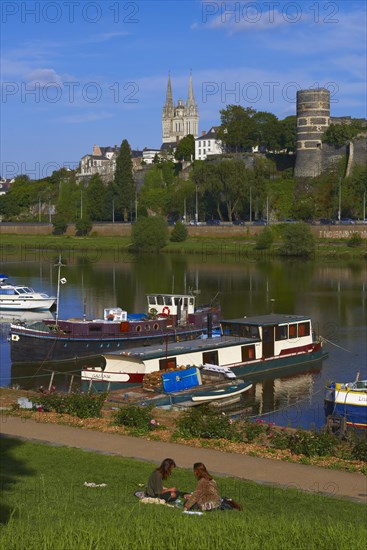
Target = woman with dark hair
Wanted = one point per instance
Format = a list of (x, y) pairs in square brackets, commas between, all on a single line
[(155, 487), (206, 496)]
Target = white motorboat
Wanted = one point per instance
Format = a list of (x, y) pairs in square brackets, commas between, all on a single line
[(19, 297)]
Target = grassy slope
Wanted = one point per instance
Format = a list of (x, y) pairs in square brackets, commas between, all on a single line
[(45, 505), (12, 246)]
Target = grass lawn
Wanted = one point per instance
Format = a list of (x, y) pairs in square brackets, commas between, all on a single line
[(45, 506)]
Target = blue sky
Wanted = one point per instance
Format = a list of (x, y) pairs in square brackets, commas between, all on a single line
[(79, 73)]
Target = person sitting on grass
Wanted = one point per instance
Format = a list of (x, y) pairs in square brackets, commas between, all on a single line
[(206, 496), (155, 486)]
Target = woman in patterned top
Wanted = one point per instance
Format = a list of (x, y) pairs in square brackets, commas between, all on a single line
[(206, 496)]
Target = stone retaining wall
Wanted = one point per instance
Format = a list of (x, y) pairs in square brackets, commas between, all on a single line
[(224, 230)]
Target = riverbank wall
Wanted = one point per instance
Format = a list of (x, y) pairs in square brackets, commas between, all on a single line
[(224, 230)]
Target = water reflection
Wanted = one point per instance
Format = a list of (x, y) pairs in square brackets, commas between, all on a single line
[(333, 295)]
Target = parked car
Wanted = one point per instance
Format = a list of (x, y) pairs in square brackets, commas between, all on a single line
[(347, 221), (259, 222), (326, 221), (212, 222), (238, 222)]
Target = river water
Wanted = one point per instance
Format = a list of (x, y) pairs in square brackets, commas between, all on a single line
[(333, 294)]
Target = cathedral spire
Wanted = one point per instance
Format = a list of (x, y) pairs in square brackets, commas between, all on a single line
[(169, 100), (190, 97)]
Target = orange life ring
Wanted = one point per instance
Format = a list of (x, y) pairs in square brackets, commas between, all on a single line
[(166, 310)]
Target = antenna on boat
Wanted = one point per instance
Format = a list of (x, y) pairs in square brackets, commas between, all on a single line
[(59, 281)]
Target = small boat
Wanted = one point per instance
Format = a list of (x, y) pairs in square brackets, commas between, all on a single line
[(347, 401), (233, 390), (18, 297), (169, 318), (248, 347), (186, 387)]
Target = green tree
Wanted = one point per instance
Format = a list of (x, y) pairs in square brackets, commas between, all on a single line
[(186, 149), (297, 240), (288, 134), (266, 131), (149, 234), (237, 128), (124, 180), (339, 134), (95, 198), (179, 232), (83, 226)]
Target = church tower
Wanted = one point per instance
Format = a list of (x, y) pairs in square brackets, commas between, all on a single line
[(179, 121)]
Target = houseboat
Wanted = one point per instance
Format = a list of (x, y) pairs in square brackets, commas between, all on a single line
[(248, 346), (348, 402), (169, 317)]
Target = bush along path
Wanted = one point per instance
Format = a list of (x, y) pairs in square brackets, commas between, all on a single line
[(201, 427)]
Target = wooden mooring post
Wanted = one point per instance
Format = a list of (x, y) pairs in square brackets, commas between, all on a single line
[(51, 380)]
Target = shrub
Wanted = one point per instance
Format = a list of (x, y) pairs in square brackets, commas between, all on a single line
[(60, 224), (355, 240), (297, 240), (359, 451), (253, 430), (179, 232), (312, 443), (265, 239), (83, 226), (149, 234), (133, 416), (205, 423), (77, 404)]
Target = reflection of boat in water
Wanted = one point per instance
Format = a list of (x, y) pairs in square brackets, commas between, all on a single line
[(170, 316), (23, 317), (19, 297), (347, 402)]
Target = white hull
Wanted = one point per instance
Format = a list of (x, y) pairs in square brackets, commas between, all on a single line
[(219, 394), (27, 304)]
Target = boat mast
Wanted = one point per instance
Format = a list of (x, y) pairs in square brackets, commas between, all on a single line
[(59, 264)]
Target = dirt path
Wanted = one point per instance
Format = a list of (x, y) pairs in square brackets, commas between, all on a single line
[(261, 470)]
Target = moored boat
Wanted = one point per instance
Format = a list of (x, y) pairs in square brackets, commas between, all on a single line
[(170, 318), (248, 347), (19, 297), (347, 401)]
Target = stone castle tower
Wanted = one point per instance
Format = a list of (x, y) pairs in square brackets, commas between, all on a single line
[(313, 118), (179, 121)]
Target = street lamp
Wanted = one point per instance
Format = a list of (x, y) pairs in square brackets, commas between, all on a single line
[(250, 204), (340, 199), (196, 204)]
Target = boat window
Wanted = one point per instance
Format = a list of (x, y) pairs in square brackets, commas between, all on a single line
[(293, 331), (95, 328), (160, 300), (248, 353), (8, 291), (156, 326), (26, 289), (244, 331), (304, 329), (191, 301), (281, 332), (138, 328), (165, 364), (167, 300), (20, 290), (152, 300), (177, 301), (210, 357), (147, 327)]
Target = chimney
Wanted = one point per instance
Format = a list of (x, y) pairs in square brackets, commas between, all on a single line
[(96, 150), (203, 132)]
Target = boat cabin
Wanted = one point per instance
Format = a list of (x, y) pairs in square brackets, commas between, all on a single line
[(277, 332), (179, 305)]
